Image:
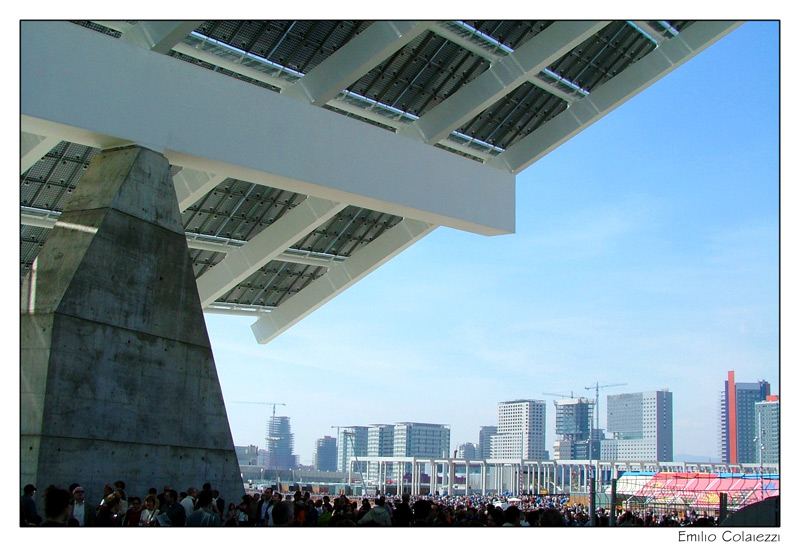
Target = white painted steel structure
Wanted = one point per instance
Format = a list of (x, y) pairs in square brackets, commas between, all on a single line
[(339, 166), (528, 476)]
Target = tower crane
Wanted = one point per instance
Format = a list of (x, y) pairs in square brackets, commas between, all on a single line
[(260, 403), (570, 396), (350, 435), (597, 387)]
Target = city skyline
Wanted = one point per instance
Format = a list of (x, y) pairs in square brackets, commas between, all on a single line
[(550, 426), (652, 261)]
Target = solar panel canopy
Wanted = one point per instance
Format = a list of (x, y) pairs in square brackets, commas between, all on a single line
[(307, 153)]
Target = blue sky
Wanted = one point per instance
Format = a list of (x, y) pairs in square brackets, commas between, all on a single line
[(646, 253)]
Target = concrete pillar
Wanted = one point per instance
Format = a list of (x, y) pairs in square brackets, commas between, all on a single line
[(451, 477), (118, 381)]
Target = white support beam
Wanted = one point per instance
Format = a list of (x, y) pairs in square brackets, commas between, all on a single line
[(340, 277), (33, 148), (191, 185), (461, 41), (651, 31), (502, 78), (112, 92), (267, 245), (357, 57), (158, 36), (41, 218), (583, 113)]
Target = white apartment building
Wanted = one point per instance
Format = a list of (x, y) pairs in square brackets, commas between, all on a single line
[(521, 426)]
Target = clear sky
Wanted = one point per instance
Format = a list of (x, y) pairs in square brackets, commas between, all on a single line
[(646, 253)]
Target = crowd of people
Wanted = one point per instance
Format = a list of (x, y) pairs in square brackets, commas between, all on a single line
[(205, 507)]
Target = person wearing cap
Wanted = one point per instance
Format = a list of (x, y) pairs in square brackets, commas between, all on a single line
[(83, 512), (30, 517)]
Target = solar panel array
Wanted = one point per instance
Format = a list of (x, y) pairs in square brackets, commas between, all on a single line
[(400, 89)]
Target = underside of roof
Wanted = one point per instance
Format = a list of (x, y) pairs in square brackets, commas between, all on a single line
[(305, 154)]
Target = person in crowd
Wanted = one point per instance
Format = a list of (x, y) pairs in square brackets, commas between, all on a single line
[(134, 513), (327, 513), (402, 512), (107, 490), (150, 512), (29, 514), (551, 517), (283, 514), (363, 510), (119, 488), (244, 510), (512, 516), (263, 504), (83, 512), (204, 515), (219, 503), (276, 499), (57, 506), (107, 514), (161, 502), (377, 516), (189, 501), (232, 515), (174, 512)]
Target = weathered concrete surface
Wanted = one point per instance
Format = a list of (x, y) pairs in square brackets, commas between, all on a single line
[(118, 377)]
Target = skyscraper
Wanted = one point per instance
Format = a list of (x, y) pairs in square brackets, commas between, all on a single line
[(641, 425), (768, 418), (738, 425), (485, 441), (574, 427), (520, 430), (325, 454), (467, 451), (351, 445), (421, 440), (380, 442), (280, 444)]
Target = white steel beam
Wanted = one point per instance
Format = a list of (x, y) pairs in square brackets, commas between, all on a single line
[(267, 245), (651, 31), (583, 113), (47, 219), (112, 92), (461, 41), (33, 148), (158, 36), (357, 57), (191, 185), (339, 277), (502, 78)]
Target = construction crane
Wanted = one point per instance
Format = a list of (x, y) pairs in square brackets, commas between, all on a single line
[(597, 387), (350, 435), (570, 396), (259, 403)]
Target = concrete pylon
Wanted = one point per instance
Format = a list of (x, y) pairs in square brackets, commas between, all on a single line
[(118, 380)]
